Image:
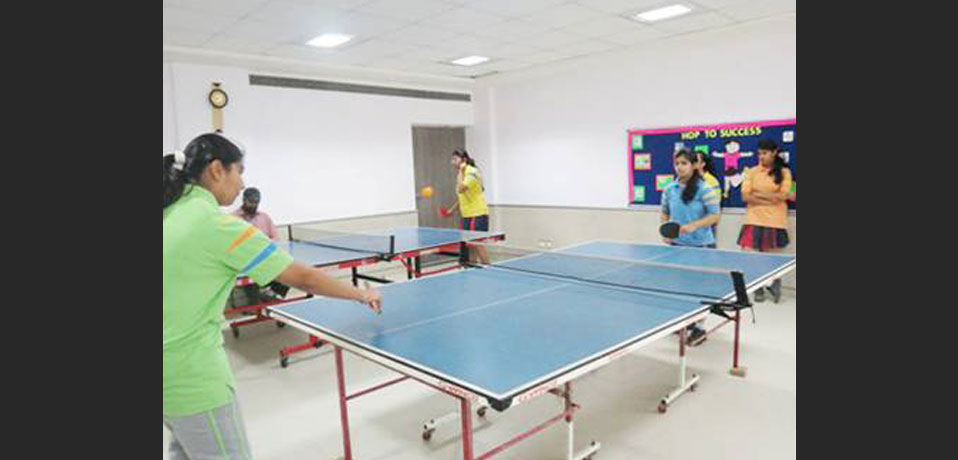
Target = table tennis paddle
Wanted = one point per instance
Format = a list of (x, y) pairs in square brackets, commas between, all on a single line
[(669, 229), (444, 211)]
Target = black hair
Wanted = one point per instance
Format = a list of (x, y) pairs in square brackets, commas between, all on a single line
[(465, 156), (692, 186), (469, 161), (768, 144), (709, 167), (197, 155), (251, 193)]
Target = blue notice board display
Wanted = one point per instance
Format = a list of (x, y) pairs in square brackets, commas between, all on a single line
[(732, 148)]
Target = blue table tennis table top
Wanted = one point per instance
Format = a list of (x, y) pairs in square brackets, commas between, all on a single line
[(498, 332), (407, 239)]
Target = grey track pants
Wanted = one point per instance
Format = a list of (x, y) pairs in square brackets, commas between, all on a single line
[(214, 434)]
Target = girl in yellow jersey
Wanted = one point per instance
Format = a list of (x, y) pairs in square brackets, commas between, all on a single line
[(704, 166), (472, 202)]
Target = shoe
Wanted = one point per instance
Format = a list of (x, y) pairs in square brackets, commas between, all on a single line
[(776, 290), (694, 336), (760, 295)]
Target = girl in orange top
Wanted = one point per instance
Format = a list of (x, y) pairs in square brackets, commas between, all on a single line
[(765, 189)]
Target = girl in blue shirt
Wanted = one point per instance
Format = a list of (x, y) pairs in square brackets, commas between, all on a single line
[(690, 202)]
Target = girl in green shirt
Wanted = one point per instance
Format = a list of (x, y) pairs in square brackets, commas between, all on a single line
[(203, 252)]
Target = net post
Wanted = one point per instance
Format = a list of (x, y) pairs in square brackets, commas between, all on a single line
[(289, 232), (392, 245), (463, 253), (741, 293)]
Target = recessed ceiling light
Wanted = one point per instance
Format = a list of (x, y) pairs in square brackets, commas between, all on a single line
[(329, 40), (470, 60), (659, 14)]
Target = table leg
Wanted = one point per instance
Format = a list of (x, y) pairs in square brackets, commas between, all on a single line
[(685, 384), (343, 411), (465, 412), (570, 433), (737, 370)]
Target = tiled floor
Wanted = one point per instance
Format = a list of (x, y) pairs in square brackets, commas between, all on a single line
[(293, 413)]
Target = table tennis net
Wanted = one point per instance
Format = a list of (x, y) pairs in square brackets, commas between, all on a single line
[(647, 276), (358, 242)]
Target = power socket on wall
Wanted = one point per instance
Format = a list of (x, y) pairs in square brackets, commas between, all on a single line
[(545, 244)]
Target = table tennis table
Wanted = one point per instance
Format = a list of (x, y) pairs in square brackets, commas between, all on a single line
[(354, 250), (500, 335)]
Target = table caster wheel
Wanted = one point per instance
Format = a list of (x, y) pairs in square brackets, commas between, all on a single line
[(280, 324), (318, 344), (235, 331), (284, 361), (481, 412), (663, 407), (694, 387), (592, 455), (427, 435)]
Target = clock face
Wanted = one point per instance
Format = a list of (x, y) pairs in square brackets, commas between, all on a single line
[(218, 98)]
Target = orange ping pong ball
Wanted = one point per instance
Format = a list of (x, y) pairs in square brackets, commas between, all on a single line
[(427, 191)]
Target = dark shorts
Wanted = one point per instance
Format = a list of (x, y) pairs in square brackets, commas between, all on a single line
[(762, 238), (477, 223)]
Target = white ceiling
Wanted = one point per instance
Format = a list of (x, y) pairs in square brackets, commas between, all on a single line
[(422, 36)]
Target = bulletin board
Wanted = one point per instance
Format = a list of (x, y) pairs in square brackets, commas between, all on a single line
[(732, 148)]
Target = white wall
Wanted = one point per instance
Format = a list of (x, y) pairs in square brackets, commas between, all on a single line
[(554, 135), (481, 140), (169, 129), (557, 134), (340, 154), (315, 155)]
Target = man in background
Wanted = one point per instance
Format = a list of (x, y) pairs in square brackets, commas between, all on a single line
[(250, 212)]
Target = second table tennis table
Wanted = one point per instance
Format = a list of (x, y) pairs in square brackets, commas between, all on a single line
[(500, 335), (351, 251)]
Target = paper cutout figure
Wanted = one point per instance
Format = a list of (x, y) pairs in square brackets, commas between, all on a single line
[(784, 155), (639, 192), (733, 173), (643, 161), (663, 180), (637, 142)]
